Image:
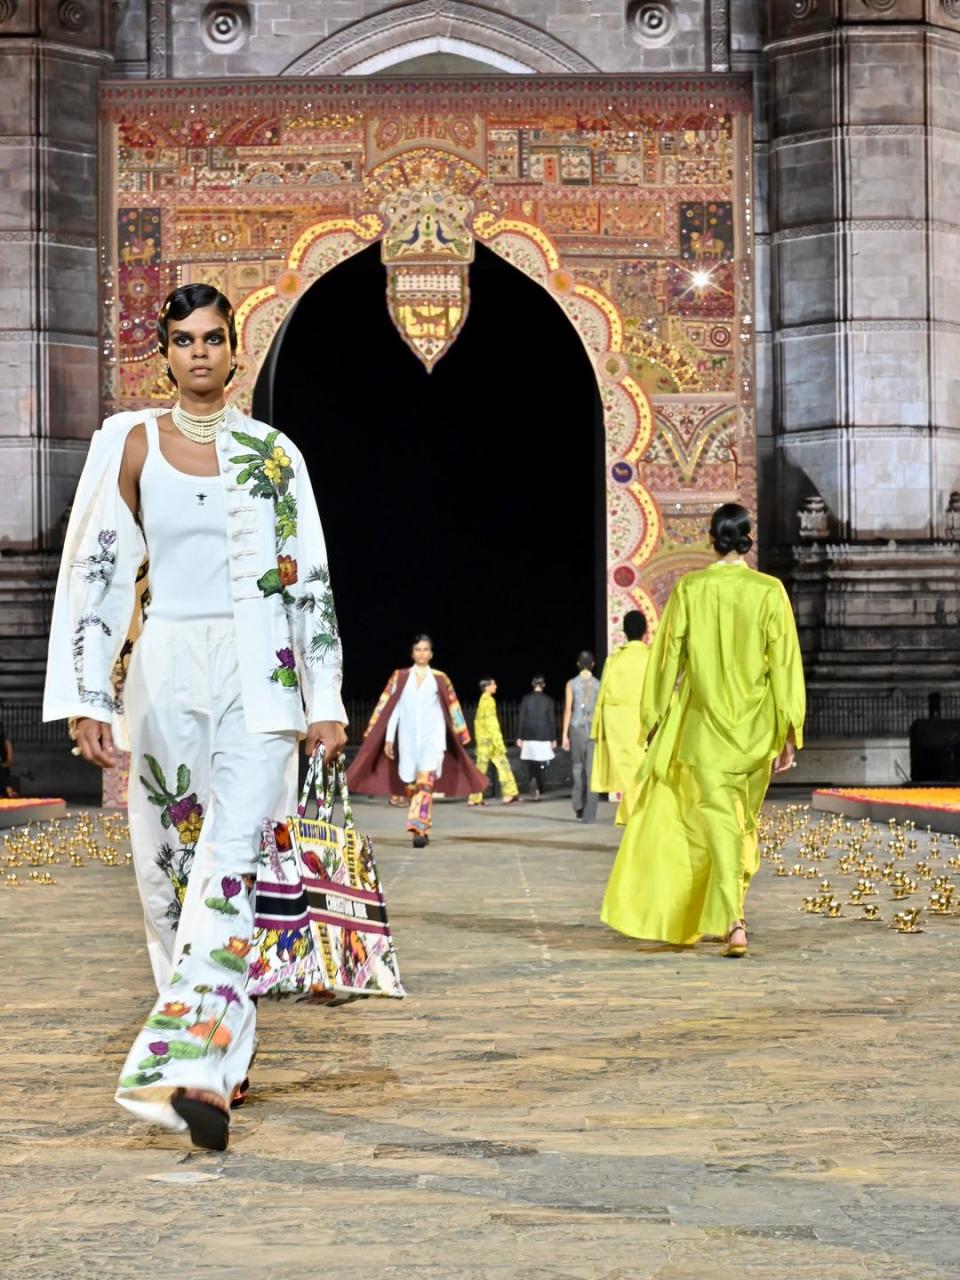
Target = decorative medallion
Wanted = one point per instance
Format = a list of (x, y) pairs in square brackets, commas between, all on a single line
[(613, 366), (225, 27), (7, 9), (951, 8), (652, 22), (72, 15), (427, 248), (880, 6), (803, 8)]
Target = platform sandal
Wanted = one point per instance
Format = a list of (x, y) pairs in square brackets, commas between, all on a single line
[(736, 950)]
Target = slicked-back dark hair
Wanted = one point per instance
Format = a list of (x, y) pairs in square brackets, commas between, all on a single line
[(422, 638), (182, 302), (585, 659), (539, 681), (730, 529), (634, 625)]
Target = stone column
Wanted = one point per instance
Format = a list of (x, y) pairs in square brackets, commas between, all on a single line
[(865, 320), (52, 53)]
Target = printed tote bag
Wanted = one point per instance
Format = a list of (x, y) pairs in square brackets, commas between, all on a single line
[(320, 920)]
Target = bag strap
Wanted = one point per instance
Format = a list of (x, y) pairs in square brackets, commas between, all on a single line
[(310, 783), (327, 784)]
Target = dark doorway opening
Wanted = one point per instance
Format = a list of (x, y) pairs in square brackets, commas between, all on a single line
[(467, 502)]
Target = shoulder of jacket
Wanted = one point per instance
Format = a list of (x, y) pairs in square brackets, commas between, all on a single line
[(769, 581), (119, 424), (254, 427)]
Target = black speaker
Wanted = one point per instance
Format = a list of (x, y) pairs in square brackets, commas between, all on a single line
[(935, 751)]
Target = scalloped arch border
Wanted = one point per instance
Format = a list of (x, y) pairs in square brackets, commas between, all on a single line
[(482, 28), (628, 413)]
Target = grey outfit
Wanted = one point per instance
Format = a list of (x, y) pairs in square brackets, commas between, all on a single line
[(581, 745)]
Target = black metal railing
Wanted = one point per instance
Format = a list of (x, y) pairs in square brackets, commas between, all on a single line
[(360, 710), (835, 715), (884, 714)]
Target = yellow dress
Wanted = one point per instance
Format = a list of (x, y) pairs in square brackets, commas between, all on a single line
[(616, 725), (724, 688)]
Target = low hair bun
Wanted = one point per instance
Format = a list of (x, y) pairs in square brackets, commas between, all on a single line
[(730, 529)]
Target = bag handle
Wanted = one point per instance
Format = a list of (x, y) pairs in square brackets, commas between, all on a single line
[(327, 784)]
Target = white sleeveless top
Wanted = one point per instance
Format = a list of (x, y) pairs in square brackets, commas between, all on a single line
[(184, 522)]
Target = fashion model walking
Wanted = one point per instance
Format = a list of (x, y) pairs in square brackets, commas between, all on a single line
[(537, 734), (724, 695), (414, 743), (239, 658), (616, 732), (491, 748)]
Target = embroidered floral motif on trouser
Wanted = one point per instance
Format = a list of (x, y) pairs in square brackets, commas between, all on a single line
[(420, 812), (200, 788), (491, 751)]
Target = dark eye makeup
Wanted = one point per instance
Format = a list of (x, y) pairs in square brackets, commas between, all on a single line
[(182, 339)]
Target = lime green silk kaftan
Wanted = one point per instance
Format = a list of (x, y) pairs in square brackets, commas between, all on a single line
[(724, 690), (616, 728)]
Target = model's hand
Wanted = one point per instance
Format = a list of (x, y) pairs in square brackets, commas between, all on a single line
[(786, 759), (565, 744), (520, 742), (553, 745), (333, 736), (389, 750), (95, 740)]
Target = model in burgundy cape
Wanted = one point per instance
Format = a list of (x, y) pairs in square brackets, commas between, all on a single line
[(372, 774)]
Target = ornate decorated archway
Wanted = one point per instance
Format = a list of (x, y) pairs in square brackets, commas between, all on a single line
[(627, 201)]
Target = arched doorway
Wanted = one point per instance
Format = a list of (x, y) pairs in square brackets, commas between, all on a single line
[(467, 502)]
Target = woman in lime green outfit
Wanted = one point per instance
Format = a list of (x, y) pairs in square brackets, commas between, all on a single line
[(724, 692), (616, 718)]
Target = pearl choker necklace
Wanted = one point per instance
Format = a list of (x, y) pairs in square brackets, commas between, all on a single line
[(201, 430)]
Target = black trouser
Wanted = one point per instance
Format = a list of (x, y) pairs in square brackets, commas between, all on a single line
[(537, 774)]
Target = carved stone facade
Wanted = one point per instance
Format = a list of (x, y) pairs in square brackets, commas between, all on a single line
[(857, 318), (864, 415)]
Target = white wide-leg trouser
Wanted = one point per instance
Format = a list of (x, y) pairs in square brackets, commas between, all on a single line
[(200, 788)]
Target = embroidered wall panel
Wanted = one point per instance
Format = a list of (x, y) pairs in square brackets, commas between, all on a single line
[(628, 200)]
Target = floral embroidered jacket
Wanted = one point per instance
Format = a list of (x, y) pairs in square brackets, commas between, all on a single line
[(289, 643)]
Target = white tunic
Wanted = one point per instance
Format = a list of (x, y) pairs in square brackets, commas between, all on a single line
[(422, 727)]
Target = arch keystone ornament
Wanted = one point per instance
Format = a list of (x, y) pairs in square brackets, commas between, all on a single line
[(619, 196), (427, 248)]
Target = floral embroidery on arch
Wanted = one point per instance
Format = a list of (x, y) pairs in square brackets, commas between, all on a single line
[(180, 811)]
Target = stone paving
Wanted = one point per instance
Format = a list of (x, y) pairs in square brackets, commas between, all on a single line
[(552, 1100)]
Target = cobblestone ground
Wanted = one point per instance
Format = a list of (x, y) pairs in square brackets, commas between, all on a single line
[(552, 1100)]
